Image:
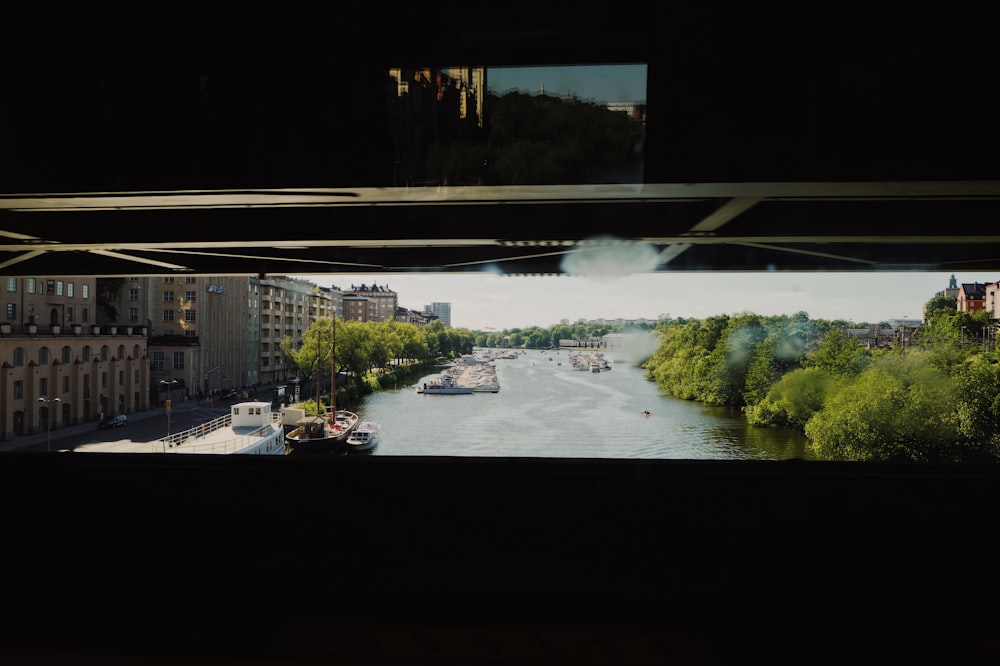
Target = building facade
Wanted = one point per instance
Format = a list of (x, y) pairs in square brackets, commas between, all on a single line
[(60, 366), (442, 311), (381, 304)]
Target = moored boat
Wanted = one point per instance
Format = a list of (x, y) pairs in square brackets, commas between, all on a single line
[(365, 437), (447, 384), (326, 432)]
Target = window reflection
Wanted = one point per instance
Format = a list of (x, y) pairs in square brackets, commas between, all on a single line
[(507, 126)]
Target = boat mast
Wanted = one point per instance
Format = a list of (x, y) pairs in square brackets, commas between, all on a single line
[(333, 368), (318, 382)]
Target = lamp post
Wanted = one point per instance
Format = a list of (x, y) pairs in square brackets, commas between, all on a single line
[(169, 385), (48, 421)]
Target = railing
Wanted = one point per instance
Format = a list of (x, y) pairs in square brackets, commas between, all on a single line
[(189, 438)]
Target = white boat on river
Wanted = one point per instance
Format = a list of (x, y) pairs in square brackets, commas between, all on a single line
[(447, 384), (364, 437), (250, 428)]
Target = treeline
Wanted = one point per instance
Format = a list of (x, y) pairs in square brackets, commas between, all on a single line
[(539, 337), (360, 349), (934, 397)]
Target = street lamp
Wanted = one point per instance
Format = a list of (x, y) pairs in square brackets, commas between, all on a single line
[(48, 421), (169, 385)]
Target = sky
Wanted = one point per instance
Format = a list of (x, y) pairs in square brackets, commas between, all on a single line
[(599, 83), (485, 302)]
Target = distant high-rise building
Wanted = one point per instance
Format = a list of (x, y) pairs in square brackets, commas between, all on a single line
[(442, 310)]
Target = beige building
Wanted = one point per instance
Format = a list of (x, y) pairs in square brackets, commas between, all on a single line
[(61, 366), (209, 334), (370, 302)]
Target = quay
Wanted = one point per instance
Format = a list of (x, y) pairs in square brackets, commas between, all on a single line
[(480, 376)]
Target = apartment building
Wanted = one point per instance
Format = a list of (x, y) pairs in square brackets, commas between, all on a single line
[(63, 367), (209, 334), (370, 303)]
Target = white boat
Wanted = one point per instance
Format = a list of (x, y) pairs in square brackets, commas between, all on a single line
[(446, 384), (326, 433), (250, 428), (364, 437)]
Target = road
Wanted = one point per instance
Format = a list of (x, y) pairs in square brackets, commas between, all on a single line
[(144, 426)]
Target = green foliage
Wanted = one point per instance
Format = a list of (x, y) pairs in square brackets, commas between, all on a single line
[(795, 398), (935, 401), (838, 354), (900, 409)]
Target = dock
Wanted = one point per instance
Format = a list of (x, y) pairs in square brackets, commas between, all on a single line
[(480, 377)]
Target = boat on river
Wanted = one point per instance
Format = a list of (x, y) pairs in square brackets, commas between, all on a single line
[(250, 428), (326, 433), (365, 437), (446, 384)]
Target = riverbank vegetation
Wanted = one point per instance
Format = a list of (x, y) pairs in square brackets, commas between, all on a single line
[(932, 396)]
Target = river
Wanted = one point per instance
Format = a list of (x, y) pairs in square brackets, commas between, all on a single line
[(547, 409)]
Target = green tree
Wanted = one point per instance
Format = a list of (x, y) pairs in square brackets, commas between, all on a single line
[(900, 409)]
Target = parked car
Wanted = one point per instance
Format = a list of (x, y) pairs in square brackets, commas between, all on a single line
[(113, 421)]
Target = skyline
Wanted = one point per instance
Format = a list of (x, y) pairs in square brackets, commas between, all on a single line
[(604, 83), (485, 302)]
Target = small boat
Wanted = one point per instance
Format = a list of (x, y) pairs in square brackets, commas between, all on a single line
[(364, 437), (326, 432), (250, 428), (447, 385)]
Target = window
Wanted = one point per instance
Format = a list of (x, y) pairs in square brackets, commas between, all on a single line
[(65, 384), (189, 315), (156, 365), (67, 354), (85, 291), (69, 314), (178, 360), (168, 296), (133, 294), (85, 315), (168, 315), (29, 285), (69, 289), (18, 357), (11, 284), (60, 288), (168, 279), (12, 312), (18, 389), (133, 314), (50, 287), (43, 356), (190, 296), (43, 386)]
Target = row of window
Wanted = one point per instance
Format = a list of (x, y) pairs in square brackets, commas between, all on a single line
[(19, 356), (17, 387), (48, 287), (11, 313)]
